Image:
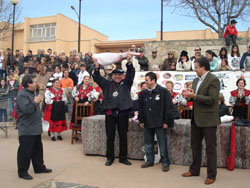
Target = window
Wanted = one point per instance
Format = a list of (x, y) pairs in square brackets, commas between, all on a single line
[(43, 32)]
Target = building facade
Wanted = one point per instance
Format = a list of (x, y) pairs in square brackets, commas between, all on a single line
[(60, 33)]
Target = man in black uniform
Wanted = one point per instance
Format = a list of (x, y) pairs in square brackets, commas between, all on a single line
[(155, 115), (117, 104)]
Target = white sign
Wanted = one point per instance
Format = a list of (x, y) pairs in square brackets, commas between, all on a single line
[(227, 79)]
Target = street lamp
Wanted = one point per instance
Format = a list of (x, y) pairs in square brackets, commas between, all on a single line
[(161, 20), (14, 3), (79, 24)]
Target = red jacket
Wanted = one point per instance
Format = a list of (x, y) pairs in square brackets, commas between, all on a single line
[(230, 31)]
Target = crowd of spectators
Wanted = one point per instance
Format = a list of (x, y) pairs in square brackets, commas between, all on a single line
[(50, 64)]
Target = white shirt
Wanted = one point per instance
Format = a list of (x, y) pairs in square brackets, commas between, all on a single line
[(1, 62), (200, 81), (58, 75), (81, 76), (234, 62)]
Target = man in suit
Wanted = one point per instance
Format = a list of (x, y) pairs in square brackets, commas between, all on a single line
[(205, 118)]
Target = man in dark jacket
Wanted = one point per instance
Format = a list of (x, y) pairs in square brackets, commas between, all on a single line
[(29, 129), (143, 61), (245, 61), (155, 115), (117, 103)]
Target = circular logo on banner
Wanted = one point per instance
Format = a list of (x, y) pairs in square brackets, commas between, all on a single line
[(164, 82), (190, 77), (178, 77), (177, 86), (167, 75), (141, 77)]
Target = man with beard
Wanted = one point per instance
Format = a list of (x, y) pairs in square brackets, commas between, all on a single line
[(29, 129)]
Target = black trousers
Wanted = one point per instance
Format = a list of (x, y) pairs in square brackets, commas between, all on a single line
[(30, 148), (121, 123), (197, 135)]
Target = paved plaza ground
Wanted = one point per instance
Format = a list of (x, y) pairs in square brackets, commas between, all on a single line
[(71, 168)]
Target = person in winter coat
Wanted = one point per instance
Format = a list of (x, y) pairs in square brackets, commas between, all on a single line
[(183, 63), (231, 33), (143, 61), (155, 115), (13, 86), (245, 61), (3, 101), (117, 103), (169, 61)]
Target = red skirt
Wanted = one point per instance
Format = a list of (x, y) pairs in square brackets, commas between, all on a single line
[(58, 126), (55, 126), (47, 114)]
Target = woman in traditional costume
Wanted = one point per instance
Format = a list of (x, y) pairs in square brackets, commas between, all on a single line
[(240, 98), (81, 94), (55, 100)]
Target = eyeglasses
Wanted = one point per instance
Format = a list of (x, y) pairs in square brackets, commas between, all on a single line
[(197, 50)]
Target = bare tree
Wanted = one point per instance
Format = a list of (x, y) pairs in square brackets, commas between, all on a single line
[(6, 17), (215, 14)]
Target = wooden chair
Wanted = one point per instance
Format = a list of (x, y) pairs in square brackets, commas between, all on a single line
[(81, 111)]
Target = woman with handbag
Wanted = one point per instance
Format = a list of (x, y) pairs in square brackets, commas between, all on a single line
[(55, 100)]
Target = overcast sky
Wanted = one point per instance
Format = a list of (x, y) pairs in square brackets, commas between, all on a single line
[(118, 19)]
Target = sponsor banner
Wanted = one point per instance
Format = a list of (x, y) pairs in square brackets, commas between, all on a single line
[(227, 80)]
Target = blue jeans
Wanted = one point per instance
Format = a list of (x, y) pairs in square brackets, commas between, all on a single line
[(228, 38), (149, 145), (69, 110), (1, 74), (11, 104), (3, 115)]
